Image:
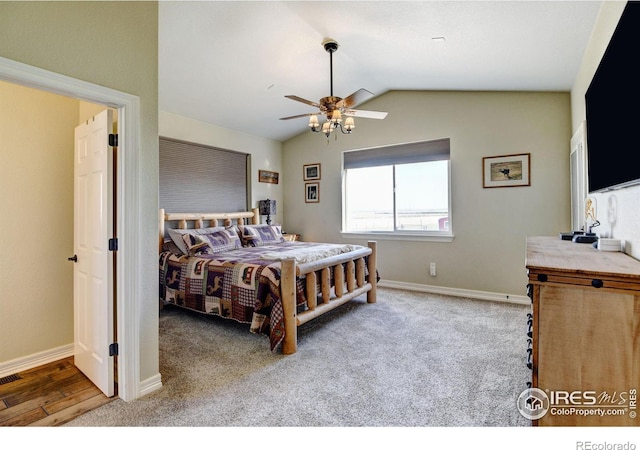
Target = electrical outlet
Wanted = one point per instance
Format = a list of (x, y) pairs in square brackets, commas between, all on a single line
[(432, 269)]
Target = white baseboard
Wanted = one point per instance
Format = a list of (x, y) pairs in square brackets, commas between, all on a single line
[(480, 295), (35, 360), (38, 359), (149, 385)]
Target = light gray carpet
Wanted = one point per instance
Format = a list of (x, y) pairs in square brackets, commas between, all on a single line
[(411, 359)]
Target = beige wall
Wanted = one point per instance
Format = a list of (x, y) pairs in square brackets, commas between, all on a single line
[(111, 44), (627, 224), (265, 153), (490, 225), (36, 181), (37, 149)]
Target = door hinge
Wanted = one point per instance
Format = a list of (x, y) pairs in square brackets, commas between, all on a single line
[(113, 140), (113, 349), (113, 244)]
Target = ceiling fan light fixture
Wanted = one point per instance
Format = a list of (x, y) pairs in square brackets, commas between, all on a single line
[(327, 128), (349, 124), (335, 107), (313, 122)]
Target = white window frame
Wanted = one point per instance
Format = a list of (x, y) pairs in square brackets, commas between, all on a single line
[(404, 235)]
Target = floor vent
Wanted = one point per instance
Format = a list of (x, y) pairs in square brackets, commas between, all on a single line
[(9, 378)]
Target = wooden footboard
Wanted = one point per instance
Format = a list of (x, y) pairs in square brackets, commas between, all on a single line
[(350, 281)]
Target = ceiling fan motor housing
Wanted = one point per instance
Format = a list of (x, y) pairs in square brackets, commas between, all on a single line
[(329, 103)]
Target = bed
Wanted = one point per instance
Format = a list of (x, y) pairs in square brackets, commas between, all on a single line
[(230, 265)]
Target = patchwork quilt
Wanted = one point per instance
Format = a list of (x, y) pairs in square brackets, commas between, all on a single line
[(241, 284)]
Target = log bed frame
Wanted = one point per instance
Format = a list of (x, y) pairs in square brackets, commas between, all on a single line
[(348, 270)]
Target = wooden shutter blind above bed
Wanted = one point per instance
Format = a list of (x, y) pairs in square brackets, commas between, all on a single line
[(199, 178)]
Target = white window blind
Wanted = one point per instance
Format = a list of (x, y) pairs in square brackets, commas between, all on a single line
[(200, 178)]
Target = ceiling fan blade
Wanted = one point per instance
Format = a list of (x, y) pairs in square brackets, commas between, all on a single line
[(300, 115), (305, 101), (354, 99), (366, 114)]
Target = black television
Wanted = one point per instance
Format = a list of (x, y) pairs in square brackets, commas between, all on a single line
[(612, 104)]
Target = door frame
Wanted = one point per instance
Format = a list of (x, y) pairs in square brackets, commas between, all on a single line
[(127, 197)]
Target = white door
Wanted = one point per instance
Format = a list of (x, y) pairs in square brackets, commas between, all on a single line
[(93, 267)]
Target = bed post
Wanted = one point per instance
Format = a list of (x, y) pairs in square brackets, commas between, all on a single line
[(373, 273), (288, 293)]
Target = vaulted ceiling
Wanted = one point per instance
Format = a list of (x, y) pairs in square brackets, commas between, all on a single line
[(230, 63)]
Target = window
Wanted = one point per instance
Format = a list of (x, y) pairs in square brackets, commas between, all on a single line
[(401, 190)]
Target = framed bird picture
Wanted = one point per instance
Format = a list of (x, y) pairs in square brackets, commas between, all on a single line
[(506, 171)]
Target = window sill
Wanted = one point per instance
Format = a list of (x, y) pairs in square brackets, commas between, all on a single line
[(398, 236)]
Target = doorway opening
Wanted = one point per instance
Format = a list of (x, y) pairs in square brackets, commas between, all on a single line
[(128, 255)]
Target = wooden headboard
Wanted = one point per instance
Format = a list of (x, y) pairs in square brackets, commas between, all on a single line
[(202, 220)]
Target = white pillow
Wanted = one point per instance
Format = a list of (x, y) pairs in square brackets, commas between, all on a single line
[(176, 235)]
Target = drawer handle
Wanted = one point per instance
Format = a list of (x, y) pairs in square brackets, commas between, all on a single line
[(542, 277), (597, 283)]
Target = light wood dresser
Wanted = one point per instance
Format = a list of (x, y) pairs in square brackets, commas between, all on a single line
[(585, 332)]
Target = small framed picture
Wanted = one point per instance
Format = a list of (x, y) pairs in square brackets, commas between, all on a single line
[(311, 171), (266, 176), (312, 192), (506, 171)]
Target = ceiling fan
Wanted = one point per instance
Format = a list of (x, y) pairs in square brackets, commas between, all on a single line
[(334, 108)]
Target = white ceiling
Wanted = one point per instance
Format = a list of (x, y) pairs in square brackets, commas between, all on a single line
[(230, 63)]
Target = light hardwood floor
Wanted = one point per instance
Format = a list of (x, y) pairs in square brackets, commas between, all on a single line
[(49, 395)]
